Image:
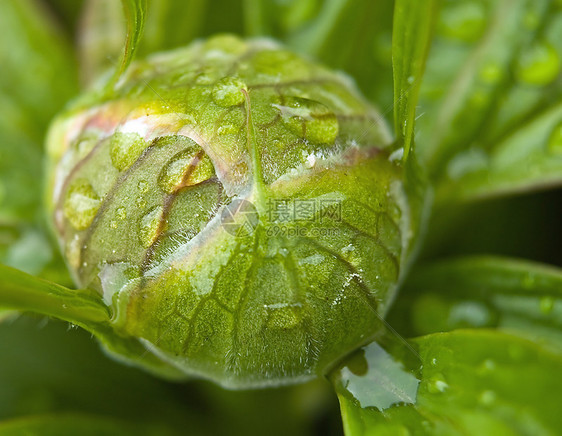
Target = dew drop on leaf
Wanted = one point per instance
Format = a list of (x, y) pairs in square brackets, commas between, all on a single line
[(149, 226), (228, 92), (142, 186), (73, 252), (309, 119), (437, 384), (186, 169), (81, 204), (125, 149), (487, 366)]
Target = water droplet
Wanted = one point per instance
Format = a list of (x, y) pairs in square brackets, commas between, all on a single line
[(546, 305), (188, 168), (227, 129), (125, 149), (228, 92), (437, 384), (309, 119), (434, 361), (410, 80), (487, 366), (555, 140), (140, 202), (538, 65), (283, 316), (84, 145), (310, 161), (396, 155), (73, 252), (113, 278), (150, 226), (143, 186), (121, 213), (81, 204), (226, 43), (487, 398)]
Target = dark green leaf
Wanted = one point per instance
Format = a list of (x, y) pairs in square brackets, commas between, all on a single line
[(485, 291), (58, 424), (411, 38), (48, 367)]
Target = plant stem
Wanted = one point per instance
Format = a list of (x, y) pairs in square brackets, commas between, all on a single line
[(24, 292)]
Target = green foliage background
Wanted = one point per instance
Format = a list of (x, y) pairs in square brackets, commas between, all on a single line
[(489, 133)]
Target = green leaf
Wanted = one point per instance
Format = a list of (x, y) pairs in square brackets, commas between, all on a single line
[(491, 99), (413, 28), (484, 291), (23, 292), (472, 382), (529, 158), (135, 12), (411, 37)]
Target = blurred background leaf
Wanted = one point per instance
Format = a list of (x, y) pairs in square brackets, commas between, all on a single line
[(521, 297), (37, 78), (490, 111), (48, 367)]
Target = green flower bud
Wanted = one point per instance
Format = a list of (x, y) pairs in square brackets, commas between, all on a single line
[(239, 208)]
